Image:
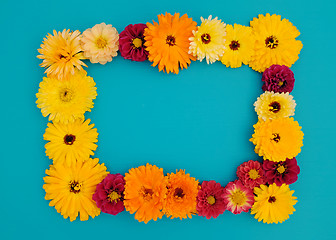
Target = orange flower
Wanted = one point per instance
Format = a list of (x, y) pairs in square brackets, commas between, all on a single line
[(168, 42), (277, 139), (181, 196), (145, 191)]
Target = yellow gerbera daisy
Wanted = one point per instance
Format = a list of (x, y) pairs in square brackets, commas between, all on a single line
[(273, 204), (181, 196), (70, 189), (275, 42), (70, 142), (278, 139), (208, 40), (61, 54), (238, 46), (66, 101), (145, 192), (100, 43), (167, 42), (272, 105)]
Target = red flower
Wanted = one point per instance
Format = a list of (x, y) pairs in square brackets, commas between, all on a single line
[(251, 174), (109, 194), (131, 43), (278, 78), (210, 201), (281, 172)]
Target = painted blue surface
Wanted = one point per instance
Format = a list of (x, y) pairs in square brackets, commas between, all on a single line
[(200, 120)]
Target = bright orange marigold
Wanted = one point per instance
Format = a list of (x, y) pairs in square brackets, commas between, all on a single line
[(145, 191), (181, 196), (168, 42)]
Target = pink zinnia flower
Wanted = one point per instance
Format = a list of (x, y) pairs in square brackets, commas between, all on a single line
[(278, 78), (237, 197), (251, 174), (131, 43), (109, 194), (210, 201), (281, 172)]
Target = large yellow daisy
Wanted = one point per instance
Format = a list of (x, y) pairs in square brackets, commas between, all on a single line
[(275, 42), (273, 204), (70, 189), (66, 101), (70, 142), (238, 46), (208, 40), (61, 54), (167, 42)]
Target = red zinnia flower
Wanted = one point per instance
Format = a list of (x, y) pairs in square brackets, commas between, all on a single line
[(109, 194), (131, 43), (210, 201), (281, 172), (278, 78), (251, 174)]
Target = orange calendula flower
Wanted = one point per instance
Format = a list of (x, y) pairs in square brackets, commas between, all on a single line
[(145, 191), (181, 196), (168, 42), (278, 139)]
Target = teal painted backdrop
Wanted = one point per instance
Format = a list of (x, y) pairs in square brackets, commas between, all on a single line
[(199, 120)]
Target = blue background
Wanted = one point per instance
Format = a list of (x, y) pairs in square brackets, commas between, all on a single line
[(199, 120)]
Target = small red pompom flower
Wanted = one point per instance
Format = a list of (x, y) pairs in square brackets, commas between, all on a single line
[(278, 78), (251, 174)]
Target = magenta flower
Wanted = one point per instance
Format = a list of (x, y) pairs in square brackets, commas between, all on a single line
[(278, 78), (109, 194), (281, 172), (251, 174), (131, 43), (210, 201)]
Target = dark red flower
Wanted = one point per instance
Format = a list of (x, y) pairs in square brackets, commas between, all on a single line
[(281, 172), (278, 78), (210, 201), (251, 174), (109, 194), (131, 43)]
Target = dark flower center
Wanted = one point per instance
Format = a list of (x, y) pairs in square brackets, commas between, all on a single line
[(75, 186), (206, 38), (69, 139), (179, 193), (65, 95), (271, 199), (276, 137), (234, 45), (147, 193), (170, 40), (271, 42), (274, 107)]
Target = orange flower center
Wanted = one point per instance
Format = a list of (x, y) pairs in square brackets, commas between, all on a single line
[(281, 169), (147, 193), (211, 200), (238, 198), (69, 139), (101, 42), (206, 38), (137, 42), (276, 137), (170, 40), (114, 196), (234, 45), (272, 42), (65, 95), (274, 107), (75, 186), (280, 83), (253, 174), (271, 199), (179, 193)]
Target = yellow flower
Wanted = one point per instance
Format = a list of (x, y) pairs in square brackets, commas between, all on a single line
[(273, 204), (167, 42), (208, 40), (278, 139), (275, 42), (70, 142), (66, 101), (145, 192), (100, 43), (272, 105), (61, 54), (181, 196), (70, 189), (238, 46)]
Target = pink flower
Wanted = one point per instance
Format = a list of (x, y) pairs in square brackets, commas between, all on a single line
[(278, 79), (109, 194), (237, 197), (251, 174), (281, 172), (210, 201), (131, 43)]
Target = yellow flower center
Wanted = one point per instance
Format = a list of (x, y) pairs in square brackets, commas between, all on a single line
[(170, 40), (280, 83), (211, 200), (146, 193), (137, 42), (75, 186), (114, 196), (253, 174), (274, 107), (66, 95), (281, 169), (272, 42), (238, 198), (234, 45), (101, 42), (206, 38)]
